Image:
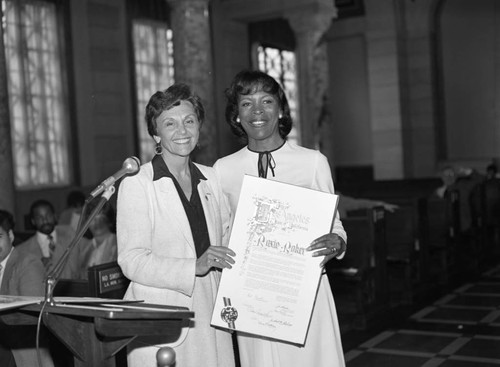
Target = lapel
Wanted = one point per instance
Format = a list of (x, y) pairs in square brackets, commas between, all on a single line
[(34, 247), (208, 202), (62, 242), (7, 272), (170, 202)]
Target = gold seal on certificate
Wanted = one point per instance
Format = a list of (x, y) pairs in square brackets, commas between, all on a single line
[(229, 314), (271, 288)]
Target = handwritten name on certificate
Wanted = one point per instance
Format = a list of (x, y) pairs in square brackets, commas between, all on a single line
[(271, 289)]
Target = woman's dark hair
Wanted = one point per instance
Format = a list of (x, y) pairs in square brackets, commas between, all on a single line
[(6, 220), (248, 82), (107, 210), (75, 199), (168, 98)]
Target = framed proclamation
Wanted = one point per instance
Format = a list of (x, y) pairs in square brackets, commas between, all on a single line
[(271, 289)]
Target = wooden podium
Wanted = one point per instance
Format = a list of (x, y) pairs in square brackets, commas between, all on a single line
[(95, 332)]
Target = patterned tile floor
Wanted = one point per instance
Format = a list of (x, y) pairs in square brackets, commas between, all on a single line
[(460, 329)]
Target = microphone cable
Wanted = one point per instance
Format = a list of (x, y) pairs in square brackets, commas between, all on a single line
[(44, 304), (38, 327)]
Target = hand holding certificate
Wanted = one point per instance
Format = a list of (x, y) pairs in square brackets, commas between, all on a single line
[(271, 288)]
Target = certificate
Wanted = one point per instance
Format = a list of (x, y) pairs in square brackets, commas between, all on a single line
[(271, 289)]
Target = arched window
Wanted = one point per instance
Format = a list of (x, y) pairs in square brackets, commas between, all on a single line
[(38, 107), (154, 70)]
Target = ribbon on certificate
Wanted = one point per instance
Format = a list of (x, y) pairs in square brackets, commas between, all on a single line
[(229, 314)]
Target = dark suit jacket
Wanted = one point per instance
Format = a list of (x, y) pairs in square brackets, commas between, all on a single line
[(64, 237), (24, 274)]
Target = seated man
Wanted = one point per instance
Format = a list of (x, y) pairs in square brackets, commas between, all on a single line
[(21, 274), (50, 241)]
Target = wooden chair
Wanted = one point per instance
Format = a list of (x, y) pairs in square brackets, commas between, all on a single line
[(439, 223)]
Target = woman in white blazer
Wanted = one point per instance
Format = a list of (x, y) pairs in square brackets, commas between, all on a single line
[(172, 229)]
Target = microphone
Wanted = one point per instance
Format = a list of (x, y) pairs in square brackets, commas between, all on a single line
[(130, 167)]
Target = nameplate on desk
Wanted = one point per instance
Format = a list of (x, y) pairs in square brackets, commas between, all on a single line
[(107, 280), (111, 279)]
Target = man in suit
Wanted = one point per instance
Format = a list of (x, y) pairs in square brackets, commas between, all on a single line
[(50, 240), (21, 274)]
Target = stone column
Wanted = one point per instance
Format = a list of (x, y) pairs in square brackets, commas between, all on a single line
[(310, 24), (385, 90), (193, 65), (419, 116), (7, 192)]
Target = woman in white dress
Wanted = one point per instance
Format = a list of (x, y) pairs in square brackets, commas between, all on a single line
[(257, 110)]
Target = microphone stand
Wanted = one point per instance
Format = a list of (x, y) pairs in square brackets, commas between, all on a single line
[(55, 273)]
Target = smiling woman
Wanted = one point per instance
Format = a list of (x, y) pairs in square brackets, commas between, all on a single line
[(178, 130), (257, 109), (172, 230)]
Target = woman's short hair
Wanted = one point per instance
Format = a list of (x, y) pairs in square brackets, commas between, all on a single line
[(6, 220), (248, 82), (168, 98)]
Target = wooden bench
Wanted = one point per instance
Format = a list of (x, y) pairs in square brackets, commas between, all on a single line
[(485, 203), (404, 255), (439, 222), (359, 280)]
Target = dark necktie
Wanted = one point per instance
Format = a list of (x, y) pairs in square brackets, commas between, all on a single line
[(265, 162), (52, 245)]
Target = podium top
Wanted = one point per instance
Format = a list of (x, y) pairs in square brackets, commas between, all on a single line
[(107, 308), (110, 309)]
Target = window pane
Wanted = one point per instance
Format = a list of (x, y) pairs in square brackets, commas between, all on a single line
[(280, 64), (154, 71), (38, 114)]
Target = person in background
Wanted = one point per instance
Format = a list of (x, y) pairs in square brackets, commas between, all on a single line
[(348, 203), (257, 110), (448, 178), (73, 211), (172, 229), (50, 239), (463, 181), (491, 172), (102, 247), (21, 274)]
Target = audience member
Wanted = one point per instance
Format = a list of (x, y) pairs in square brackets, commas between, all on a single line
[(73, 211), (50, 240), (448, 178), (491, 172), (488, 205), (21, 274), (102, 248), (349, 203), (463, 181)]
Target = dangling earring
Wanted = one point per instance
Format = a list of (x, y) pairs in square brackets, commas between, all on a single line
[(238, 119), (280, 116), (158, 148)]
